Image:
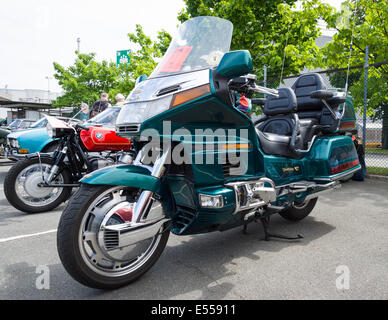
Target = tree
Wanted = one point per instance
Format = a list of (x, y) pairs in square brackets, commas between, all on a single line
[(368, 19), (87, 78), (270, 29)]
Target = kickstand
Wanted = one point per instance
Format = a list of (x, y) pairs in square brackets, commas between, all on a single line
[(268, 235), (245, 229)]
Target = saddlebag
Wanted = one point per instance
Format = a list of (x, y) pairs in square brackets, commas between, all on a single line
[(331, 158)]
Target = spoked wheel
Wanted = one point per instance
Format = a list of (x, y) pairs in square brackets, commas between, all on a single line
[(23, 190), (299, 211), (91, 252)]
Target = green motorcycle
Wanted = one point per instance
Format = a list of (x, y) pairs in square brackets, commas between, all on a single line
[(202, 165)]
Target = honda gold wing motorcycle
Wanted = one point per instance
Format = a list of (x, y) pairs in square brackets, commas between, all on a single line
[(201, 164)]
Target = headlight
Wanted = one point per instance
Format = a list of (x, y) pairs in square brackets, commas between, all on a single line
[(137, 112), (50, 131), (14, 143), (208, 201)]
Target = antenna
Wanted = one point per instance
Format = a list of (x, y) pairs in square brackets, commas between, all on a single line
[(284, 55), (350, 50), (78, 44)]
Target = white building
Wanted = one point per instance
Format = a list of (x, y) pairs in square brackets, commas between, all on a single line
[(27, 103)]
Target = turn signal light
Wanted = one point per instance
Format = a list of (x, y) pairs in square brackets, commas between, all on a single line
[(189, 95)]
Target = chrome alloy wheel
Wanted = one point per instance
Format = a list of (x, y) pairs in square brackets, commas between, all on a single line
[(99, 247), (28, 189)]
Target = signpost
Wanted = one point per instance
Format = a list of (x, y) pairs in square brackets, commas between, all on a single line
[(123, 57)]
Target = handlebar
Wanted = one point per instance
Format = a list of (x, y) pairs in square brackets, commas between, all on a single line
[(82, 127), (265, 90)]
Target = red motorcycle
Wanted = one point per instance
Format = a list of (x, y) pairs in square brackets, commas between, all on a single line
[(42, 181)]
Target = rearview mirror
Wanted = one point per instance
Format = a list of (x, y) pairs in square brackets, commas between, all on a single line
[(140, 79), (235, 63)]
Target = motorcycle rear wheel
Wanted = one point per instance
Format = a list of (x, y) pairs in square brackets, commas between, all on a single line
[(298, 212), (21, 186), (78, 245)]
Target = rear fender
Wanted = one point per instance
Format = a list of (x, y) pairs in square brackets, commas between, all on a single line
[(134, 177)]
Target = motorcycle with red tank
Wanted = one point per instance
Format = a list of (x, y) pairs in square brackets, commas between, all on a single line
[(42, 181)]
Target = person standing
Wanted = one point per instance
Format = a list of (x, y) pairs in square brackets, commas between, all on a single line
[(119, 99), (100, 105), (85, 111)]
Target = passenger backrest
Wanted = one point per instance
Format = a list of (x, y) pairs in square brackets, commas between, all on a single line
[(303, 87), (278, 111)]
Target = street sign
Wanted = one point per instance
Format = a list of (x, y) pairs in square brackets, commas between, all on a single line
[(123, 57)]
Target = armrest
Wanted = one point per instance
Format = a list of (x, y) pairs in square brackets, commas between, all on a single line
[(336, 101), (321, 94)]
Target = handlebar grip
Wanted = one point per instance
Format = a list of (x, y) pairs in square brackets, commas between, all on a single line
[(82, 127), (258, 101)]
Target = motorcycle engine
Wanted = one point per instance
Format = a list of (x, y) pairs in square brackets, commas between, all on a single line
[(100, 162)]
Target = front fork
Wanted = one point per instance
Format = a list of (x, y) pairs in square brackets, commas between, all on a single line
[(54, 169), (145, 199)]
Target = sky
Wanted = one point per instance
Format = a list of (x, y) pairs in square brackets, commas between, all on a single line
[(35, 33)]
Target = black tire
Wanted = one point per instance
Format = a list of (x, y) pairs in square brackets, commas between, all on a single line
[(297, 213), (13, 197), (69, 248)]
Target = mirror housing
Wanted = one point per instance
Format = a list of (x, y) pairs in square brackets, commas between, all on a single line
[(140, 79), (235, 63)]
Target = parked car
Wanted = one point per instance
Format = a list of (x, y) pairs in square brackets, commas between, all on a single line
[(20, 124), (4, 132), (31, 140), (37, 139)]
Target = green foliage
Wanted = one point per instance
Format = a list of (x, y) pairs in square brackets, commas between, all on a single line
[(369, 21), (87, 78), (264, 27), (370, 24)]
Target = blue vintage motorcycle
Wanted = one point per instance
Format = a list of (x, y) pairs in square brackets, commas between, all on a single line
[(202, 165)]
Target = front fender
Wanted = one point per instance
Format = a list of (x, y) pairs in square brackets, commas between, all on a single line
[(134, 177)]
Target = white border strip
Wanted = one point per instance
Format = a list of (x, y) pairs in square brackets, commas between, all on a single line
[(27, 235)]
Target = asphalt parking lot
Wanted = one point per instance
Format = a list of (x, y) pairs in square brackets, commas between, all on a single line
[(346, 231)]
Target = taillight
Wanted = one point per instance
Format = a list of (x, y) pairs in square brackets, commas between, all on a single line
[(345, 166)]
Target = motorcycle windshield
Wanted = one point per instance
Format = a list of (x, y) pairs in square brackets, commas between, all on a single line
[(199, 43)]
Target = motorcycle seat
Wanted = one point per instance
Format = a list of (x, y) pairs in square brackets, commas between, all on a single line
[(312, 110), (276, 144), (303, 87), (278, 131)]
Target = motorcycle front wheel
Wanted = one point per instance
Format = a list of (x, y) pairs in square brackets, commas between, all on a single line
[(90, 254), (22, 190)]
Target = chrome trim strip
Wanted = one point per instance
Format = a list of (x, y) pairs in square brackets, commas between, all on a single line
[(131, 233), (340, 175)]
